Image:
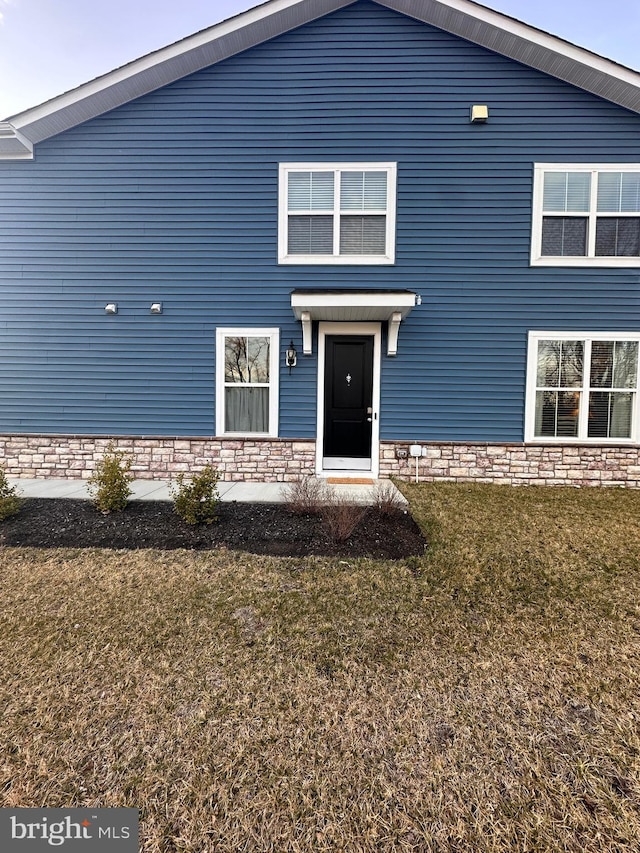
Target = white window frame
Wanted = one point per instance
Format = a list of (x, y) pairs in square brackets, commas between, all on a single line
[(336, 258), (590, 259), (274, 385), (532, 369)]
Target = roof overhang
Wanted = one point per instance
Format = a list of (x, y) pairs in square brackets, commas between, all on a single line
[(464, 18), (13, 144), (166, 65), (350, 306), (528, 45)]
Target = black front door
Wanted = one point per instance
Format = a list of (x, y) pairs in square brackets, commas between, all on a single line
[(348, 396)]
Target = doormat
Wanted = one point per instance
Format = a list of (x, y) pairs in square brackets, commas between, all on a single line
[(350, 481)]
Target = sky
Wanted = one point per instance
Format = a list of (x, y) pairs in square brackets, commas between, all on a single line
[(50, 46)]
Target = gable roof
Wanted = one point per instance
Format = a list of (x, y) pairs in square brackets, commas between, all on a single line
[(473, 22)]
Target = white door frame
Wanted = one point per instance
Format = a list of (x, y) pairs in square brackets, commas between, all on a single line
[(375, 330)]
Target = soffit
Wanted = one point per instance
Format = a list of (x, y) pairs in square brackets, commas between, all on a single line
[(463, 18), (169, 64), (352, 305), (528, 45)]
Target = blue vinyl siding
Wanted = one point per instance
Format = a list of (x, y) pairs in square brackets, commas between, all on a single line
[(173, 198)]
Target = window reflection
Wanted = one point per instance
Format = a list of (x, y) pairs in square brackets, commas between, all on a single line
[(562, 368)]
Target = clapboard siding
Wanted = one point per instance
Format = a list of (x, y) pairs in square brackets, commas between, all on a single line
[(173, 198)]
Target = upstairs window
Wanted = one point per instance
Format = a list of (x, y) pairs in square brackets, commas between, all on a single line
[(337, 214), (583, 386), (586, 215)]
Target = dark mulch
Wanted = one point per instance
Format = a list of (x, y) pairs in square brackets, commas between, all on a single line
[(258, 528)]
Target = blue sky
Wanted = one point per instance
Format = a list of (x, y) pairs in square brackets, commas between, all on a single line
[(50, 46)]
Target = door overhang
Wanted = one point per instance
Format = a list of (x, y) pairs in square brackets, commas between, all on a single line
[(353, 306)]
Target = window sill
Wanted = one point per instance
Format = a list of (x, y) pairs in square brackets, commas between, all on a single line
[(583, 442), (338, 260), (247, 436), (612, 263)]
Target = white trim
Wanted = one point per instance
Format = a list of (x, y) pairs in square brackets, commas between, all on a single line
[(469, 20), (353, 306), (520, 30), (373, 329), (177, 51), (590, 259), (391, 170), (337, 260), (530, 396), (392, 333), (13, 144), (307, 332), (274, 378), (401, 301)]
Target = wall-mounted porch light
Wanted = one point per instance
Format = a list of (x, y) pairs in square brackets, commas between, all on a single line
[(111, 308), (292, 356)]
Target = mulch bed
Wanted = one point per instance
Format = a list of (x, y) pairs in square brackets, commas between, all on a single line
[(257, 528)]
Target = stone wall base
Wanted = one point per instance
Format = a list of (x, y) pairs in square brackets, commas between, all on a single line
[(515, 464), (282, 460), (70, 457)]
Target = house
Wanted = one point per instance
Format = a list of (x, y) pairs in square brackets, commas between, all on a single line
[(323, 236)]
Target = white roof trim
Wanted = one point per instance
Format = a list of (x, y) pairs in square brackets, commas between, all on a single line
[(464, 18), (353, 306), (528, 45), (168, 64), (13, 144)]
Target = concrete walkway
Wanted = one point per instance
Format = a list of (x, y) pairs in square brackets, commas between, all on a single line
[(158, 490)]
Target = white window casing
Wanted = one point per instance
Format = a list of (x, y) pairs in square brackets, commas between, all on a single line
[(586, 215), (582, 388), (247, 381), (337, 213)]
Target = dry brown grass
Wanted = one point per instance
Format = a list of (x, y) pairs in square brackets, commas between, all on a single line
[(483, 698)]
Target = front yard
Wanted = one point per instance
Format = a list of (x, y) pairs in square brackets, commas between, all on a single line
[(484, 697)]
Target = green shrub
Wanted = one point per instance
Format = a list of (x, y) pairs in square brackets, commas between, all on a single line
[(109, 484), (196, 501), (10, 503)]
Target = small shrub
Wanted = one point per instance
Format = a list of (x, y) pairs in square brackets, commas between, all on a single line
[(196, 501), (387, 500), (341, 516), (109, 484), (306, 495), (10, 503)]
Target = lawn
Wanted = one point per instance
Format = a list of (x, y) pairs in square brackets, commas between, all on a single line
[(484, 697)]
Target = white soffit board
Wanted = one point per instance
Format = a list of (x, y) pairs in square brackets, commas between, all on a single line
[(463, 18), (169, 64), (13, 145), (352, 307), (528, 45), (362, 305)]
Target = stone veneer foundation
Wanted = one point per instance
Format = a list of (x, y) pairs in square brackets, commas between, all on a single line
[(70, 457), (516, 464), (281, 460)]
